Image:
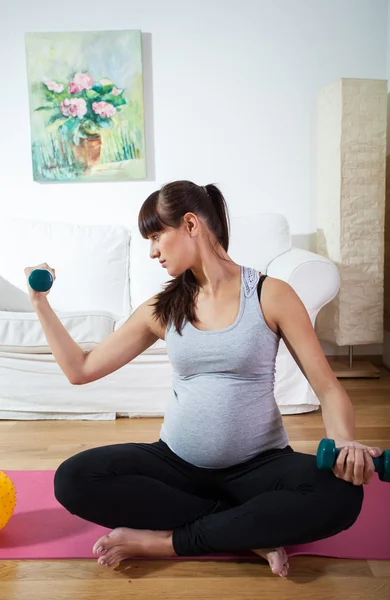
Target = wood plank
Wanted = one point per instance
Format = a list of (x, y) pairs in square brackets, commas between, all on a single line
[(301, 566), (245, 587), (380, 568)]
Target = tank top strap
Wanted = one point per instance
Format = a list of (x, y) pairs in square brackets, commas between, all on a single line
[(250, 281)]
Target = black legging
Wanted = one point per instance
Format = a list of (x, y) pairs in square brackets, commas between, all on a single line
[(277, 498)]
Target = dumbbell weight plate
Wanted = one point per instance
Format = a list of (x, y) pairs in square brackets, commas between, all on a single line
[(40, 280)]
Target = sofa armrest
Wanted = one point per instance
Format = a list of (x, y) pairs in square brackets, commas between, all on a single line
[(314, 278)]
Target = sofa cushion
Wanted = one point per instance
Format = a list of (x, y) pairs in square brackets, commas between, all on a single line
[(91, 262), (13, 298), (256, 240), (22, 332)]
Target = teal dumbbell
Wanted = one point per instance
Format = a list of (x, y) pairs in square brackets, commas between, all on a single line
[(327, 454), (40, 280)]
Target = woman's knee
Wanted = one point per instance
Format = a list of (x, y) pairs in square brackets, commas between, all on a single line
[(347, 503), (70, 479), (354, 501)]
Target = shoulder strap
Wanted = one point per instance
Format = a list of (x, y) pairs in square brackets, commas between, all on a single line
[(250, 279), (259, 285)]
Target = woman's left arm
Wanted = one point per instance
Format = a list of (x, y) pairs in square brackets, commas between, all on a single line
[(354, 463)]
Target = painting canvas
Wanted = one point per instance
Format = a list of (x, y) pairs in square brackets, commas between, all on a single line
[(86, 106)]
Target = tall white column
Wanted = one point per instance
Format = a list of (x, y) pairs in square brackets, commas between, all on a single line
[(386, 341), (351, 164)]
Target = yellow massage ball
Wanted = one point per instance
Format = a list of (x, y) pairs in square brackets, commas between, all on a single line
[(7, 499)]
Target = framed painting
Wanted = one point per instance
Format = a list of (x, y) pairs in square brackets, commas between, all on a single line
[(86, 106)]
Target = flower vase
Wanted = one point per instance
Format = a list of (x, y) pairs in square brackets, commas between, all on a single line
[(87, 151)]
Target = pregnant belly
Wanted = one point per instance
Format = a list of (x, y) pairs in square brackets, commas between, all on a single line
[(220, 425)]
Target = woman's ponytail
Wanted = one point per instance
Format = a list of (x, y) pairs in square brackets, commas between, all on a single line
[(221, 209)]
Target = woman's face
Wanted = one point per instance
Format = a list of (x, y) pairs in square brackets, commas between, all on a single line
[(174, 247)]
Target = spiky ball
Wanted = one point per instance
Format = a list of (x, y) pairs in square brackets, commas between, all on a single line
[(7, 499)]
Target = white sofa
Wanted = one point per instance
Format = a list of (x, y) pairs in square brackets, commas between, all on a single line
[(103, 273)]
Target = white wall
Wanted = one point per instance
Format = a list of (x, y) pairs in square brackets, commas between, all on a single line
[(230, 94)]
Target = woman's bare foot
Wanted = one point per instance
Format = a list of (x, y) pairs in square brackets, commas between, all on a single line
[(122, 543), (277, 558)]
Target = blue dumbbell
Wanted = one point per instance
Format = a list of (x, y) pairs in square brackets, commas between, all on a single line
[(40, 280), (327, 454)]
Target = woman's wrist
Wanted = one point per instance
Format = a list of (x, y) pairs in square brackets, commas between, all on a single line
[(37, 303), (341, 437)]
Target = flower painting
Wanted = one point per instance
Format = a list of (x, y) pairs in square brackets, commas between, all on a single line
[(86, 106)]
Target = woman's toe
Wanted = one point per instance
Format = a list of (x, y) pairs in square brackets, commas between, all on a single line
[(114, 561), (284, 571), (110, 557), (100, 545)]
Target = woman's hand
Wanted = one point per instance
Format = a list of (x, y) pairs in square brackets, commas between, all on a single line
[(354, 463), (36, 296)]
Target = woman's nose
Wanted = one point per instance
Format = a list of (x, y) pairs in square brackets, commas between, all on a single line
[(153, 252)]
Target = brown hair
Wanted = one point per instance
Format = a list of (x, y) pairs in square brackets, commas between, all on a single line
[(176, 303)]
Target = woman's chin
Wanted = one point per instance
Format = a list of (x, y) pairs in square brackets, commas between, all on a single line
[(174, 272)]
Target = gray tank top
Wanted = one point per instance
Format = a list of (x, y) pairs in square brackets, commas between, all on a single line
[(223, 410)]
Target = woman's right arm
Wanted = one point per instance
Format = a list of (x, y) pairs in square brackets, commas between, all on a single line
[(119, 348), (137, 334)]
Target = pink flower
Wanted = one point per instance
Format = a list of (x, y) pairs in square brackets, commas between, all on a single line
[(105, 110), (115, 91), (73, 107), (80, 82), (53, 86)]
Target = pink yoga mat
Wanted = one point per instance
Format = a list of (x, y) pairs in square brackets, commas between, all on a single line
[(42, 529)]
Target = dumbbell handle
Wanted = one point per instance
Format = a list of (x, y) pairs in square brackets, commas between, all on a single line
[(327, 454), (378, 461), (40, 280)]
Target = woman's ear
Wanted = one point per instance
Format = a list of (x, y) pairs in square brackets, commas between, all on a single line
[(190, 222)]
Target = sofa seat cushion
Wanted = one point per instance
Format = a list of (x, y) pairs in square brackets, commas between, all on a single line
[(22, 331)]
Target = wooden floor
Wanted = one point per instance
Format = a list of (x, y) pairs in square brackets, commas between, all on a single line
[(44, 444)]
